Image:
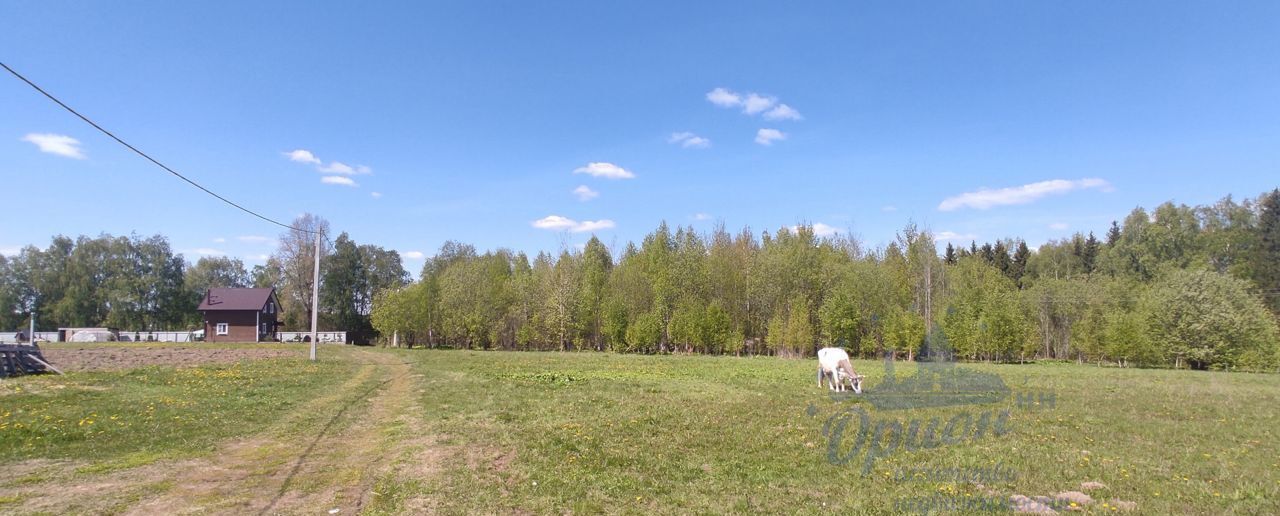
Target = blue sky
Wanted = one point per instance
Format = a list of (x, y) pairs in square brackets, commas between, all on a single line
[(468, 120)]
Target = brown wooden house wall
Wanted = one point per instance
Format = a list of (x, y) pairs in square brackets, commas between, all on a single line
[(240, 325)]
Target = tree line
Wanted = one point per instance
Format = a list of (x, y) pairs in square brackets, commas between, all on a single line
[(141, 284), (1179, 286)]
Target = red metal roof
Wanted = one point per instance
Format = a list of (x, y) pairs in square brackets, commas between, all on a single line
[(236, 299)]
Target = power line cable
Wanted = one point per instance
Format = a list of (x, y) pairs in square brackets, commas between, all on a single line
[(149, 158)]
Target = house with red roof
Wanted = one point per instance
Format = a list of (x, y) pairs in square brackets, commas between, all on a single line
[(240, 314)]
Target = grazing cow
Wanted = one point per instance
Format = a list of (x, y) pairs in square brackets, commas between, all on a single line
[(833, 364)]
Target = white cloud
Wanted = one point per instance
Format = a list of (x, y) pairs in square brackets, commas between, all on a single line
[(303, 156), (413, 255), (338, 167), (819, 229), (756, 103), (943, 236), (206, 251), (593, 225), (768, 136), (375, 195), (889, 208), (1059, 226), (585, 193), (753, 104), (783, 112), (256, 239), (701, 216), (334, 167), (605, 170), (689, 140), (724, 98), (262, 257), (556, 222), (56, 144), (338, 180), (985, 198), (219, 240), (10, 251)]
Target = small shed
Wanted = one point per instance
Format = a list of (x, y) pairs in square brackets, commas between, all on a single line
[(240, 314)]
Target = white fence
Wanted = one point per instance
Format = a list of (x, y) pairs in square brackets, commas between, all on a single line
[(155, 336), (321, 336), (41, 336), (183, 336)]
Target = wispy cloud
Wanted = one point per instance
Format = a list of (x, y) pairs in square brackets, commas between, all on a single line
[(338, 167), (413, 255), (302, 156), (593, 225), (985, 198), (56, 144), (783, 112), (255, 239), (943, 236), (585, 193), (207, 251), (689, 140), (753, 104), (334, 167), (889, 208), (768, 136), (820, 229), (219, 240), (375, 195), (701, 216), (1060, 226), (10, 250), (605, 170), (559, 223), (724, 98), (338, 180)]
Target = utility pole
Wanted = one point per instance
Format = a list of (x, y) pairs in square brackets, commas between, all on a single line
[(315, 297), (31, 337)]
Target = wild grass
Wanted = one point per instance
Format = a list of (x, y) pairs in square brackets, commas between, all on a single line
[(123, 418), (500, 432), (555, 432)]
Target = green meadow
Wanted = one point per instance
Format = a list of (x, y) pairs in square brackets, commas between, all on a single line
[(445, 431)]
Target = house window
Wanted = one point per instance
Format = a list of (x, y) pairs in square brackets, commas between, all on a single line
[(222, 328), (271, 307)]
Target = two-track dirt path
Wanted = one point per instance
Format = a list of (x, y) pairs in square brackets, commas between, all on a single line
[(325, 455)]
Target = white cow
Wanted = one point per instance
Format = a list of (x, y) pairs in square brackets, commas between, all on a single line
[(833, 363)]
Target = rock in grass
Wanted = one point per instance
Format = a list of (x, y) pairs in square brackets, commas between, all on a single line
[(1074, 497), (1089, 486), (1024, 505)]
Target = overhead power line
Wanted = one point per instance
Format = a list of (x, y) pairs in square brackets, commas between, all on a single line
[(149, 158)]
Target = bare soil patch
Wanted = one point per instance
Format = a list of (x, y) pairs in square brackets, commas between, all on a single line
[(115, 359)]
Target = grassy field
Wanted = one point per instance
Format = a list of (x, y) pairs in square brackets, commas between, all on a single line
[(397, 431)]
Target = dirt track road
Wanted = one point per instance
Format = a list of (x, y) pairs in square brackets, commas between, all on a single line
[(325, 455)]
